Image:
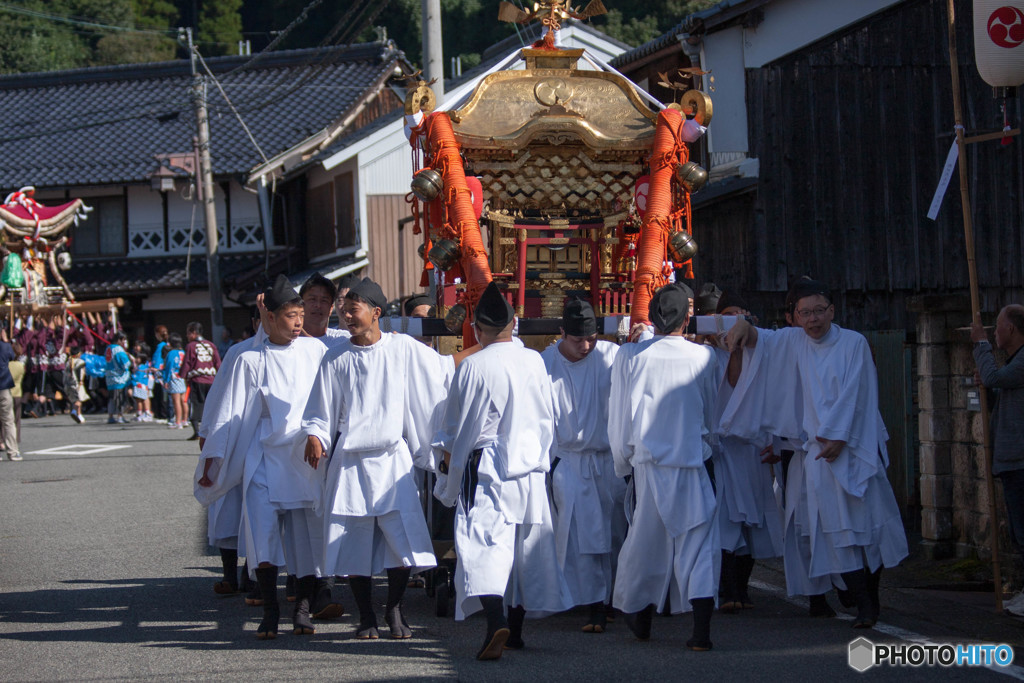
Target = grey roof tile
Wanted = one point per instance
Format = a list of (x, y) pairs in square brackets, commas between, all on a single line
[(102, 125)]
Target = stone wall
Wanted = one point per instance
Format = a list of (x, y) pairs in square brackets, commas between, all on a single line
[(955, 516)]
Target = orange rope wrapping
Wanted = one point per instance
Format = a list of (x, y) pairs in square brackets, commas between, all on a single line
[(460, 222), (660, 220)]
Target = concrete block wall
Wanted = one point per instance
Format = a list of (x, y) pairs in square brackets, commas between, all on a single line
[(955, 516)]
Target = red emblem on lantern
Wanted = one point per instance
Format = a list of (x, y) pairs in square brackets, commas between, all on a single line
[(1006, 27)]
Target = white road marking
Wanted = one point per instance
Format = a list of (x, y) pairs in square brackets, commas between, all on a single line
[(79, 449), (1013, 671)]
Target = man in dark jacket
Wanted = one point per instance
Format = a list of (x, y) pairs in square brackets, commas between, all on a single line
[(199, 367), (1007, 383)]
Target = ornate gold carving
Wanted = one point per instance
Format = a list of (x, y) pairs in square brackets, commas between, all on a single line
[(552, 91)]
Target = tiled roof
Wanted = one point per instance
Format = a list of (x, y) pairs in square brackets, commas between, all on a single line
[(104, 125), (144, 276)]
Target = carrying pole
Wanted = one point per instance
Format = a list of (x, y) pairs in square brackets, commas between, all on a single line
[(972, 272)]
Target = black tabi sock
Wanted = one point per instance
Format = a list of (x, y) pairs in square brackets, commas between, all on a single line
[(398, 580), (857, 584), (266, 577), (229, 561), (727, 580), (362, 587), (744, 567), (873, 581), (702, 609), (516, 617), (305, 587), (494, 610)]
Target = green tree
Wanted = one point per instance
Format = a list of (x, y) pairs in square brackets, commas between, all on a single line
[(220, 26)]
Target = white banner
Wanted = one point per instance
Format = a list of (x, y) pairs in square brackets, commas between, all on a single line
[(947, 173)]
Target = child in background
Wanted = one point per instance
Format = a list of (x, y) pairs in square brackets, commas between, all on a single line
[(173, 382), (142, 384), (74, 383)]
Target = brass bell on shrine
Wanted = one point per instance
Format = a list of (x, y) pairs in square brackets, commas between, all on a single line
[(421, 250), (691, 176), (444, 254), (427, 184), (681, 247), (455, 317)]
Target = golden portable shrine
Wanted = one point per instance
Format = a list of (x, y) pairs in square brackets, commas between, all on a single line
[(554, 180)]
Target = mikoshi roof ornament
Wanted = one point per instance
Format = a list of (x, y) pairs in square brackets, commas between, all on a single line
[(35, 234)]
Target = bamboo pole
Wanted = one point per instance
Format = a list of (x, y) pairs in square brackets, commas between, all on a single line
[(972, 271)]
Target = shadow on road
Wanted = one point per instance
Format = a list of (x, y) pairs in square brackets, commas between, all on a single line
[(176, 613)]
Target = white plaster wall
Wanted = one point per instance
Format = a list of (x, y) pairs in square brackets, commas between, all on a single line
[(791, 24), (245, 208), (386, 169), (723, 56), (145, 207)]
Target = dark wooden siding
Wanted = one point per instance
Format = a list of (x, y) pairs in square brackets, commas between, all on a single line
[(851, 134)]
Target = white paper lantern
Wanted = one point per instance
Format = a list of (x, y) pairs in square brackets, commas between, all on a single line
[(999, 41)]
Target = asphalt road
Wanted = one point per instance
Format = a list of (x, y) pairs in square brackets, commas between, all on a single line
[(104, 575)]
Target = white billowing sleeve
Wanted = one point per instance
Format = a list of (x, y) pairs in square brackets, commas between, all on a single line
[(424, 399), (709, 394), (230, 423), (320, 419), (464, 418), (620, 412), (853, 416)]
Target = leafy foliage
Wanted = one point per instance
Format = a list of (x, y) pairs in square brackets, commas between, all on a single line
[(41, 44), (470, 27)]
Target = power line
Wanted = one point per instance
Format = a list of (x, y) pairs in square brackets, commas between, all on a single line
[(228, 100), (345, 29)]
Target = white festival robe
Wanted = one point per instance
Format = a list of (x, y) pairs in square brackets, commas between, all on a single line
[(500, 402), (770, 406), (851, 511), (749, 518), (224, 515), (590, 520), (660, 424), (374, 408), (255, 440)]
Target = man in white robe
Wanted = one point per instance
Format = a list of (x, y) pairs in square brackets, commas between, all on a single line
[(255, 439), (660, 422), (496, 439), (318, 298), (855, 524), (590, 520), (372, 409), (224, 515), (750, 522)]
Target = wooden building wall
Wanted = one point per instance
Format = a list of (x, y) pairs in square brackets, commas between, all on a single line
[(394, 261), (851, 134)]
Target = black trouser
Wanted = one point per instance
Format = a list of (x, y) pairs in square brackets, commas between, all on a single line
[(159, 402), (470, 478), (196, 402)]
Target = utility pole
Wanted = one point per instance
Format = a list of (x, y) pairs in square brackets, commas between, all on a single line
[(433, 59), (206, 196)]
